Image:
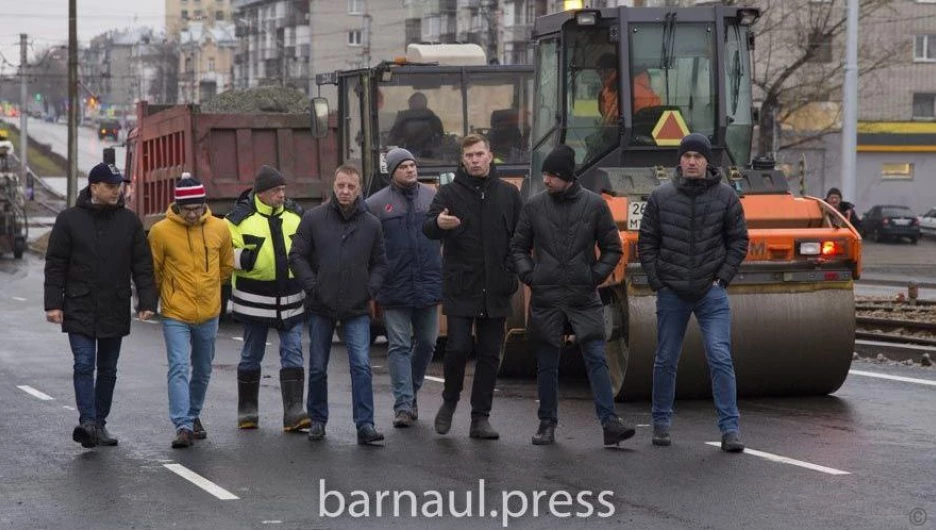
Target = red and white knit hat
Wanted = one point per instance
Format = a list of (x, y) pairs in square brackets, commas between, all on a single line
[(189, 190)]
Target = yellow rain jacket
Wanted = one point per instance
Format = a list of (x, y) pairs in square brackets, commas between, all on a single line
[(190, 264)]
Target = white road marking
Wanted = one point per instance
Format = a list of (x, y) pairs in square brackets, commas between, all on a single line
[(239, 339), (643, 424), (376, 366), (272, 522), (902, 379), (35, 393), (18, 299), (433, 378), (786, 460), (201, 482), (66, 407)]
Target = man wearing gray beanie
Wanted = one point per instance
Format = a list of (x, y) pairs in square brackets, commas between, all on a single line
[(693, 238), (412, 288)]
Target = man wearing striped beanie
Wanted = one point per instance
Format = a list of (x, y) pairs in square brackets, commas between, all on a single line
[(192, 257)]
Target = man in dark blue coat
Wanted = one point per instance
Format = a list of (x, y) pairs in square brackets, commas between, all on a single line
[(95, 248), (338, 256), (693, 238), (412, 287)]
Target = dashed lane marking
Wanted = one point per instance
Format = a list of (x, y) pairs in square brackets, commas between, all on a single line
[(238, 339), (66, 407), (18, 299), (786, 460), (902, 379), (35, 393), (433, 378), (201, 482)]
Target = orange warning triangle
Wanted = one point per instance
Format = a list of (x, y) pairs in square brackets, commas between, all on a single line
[(670, 128)]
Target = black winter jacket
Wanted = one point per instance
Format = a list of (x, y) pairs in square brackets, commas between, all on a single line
[(478, 276), (339, 259), (563, 279), (93, 252), (693, 232)]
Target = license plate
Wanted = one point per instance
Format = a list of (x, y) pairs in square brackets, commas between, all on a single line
[(635, 211), (901, 222)]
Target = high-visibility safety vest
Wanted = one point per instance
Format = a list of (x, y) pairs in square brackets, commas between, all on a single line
[(264, 289)]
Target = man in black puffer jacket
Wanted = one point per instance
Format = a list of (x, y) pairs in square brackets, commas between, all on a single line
[(564, 225), (95, 249), (693, 238), (475, 217)]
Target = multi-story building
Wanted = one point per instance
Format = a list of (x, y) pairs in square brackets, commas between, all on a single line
[(180, 12), (274, 43), (205, 60), (108, 71)]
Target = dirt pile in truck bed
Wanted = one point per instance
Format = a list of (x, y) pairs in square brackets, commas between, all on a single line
[(272, 99)]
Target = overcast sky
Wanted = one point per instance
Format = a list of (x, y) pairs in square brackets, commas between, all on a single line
[(46, 23)]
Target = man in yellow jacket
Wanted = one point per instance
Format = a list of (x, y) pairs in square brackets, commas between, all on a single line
[(192, 257), (267, 295)]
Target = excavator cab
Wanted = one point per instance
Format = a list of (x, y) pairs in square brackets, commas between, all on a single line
[(622, 86)]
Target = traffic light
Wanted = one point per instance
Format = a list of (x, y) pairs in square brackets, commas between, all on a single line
[(38, 97)]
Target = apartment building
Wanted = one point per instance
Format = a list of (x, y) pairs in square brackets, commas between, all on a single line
[(274, 43), (180, 12), (206, 54)]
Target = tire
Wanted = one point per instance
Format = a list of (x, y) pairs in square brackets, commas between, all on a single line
[(914, 240), (878, 238)]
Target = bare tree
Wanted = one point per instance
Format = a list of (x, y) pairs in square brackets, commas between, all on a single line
[(166, 82), (799, 61)]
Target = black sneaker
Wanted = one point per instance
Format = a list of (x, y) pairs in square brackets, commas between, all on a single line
[(86, 435), (616, 431), (368, 434), (104, 437), (198, 431), (661, 437), (184, 438), (546, 435), (316, 431), (731, 442)]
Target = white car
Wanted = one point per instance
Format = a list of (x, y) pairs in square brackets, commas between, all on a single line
[(928, 223)]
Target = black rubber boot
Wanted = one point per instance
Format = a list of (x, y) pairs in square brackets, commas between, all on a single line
[(248, 386), (292, 383)]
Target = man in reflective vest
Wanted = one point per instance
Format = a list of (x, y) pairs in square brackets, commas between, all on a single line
[(266, 295)]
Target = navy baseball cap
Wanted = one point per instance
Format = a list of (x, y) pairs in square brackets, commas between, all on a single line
[(105, 173)]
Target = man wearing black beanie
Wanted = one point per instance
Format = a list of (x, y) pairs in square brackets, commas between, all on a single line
[(693, 238), (564, 280)]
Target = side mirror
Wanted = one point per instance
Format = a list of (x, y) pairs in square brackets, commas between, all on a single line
[(319, 117)]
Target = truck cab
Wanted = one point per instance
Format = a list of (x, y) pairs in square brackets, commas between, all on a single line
[(426, 103)]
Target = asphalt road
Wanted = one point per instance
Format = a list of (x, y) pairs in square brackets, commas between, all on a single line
[(90, 148), (859, 459)]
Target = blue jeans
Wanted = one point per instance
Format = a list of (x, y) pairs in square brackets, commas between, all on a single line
[(188, 347), (411, 338), (355, 333), (714, 315), (547, 379), (255, 336), (94, 398)]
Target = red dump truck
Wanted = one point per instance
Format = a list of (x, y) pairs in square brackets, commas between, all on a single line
[(223, 151)]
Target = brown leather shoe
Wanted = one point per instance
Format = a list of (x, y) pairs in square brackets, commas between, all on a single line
[(184, 438)]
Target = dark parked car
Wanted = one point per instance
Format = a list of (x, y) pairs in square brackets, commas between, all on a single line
[(889, 221), (108, 128)]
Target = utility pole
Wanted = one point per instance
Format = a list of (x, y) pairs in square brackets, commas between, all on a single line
[(850, 100), (24, 113), (72, 103), (367, 40)]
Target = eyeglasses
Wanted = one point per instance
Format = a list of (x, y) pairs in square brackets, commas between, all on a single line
[(192, 210)]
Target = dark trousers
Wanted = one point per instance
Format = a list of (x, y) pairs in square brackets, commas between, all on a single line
[(94, 397), (489, 337)]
